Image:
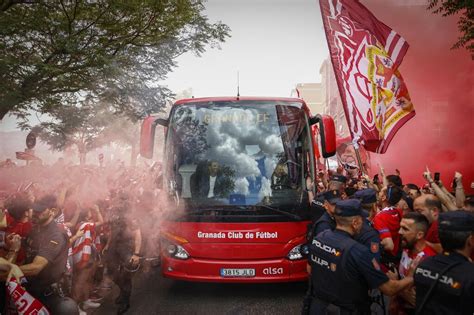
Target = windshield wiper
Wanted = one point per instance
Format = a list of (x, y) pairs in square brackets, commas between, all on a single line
[(289, 214)]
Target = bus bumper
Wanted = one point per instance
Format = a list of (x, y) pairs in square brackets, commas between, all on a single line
[(256, 271)]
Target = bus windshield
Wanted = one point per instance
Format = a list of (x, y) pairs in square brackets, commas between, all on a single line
[(249, 156)]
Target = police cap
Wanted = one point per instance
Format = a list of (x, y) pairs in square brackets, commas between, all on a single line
[(319, 200), (46, 202), (348, 208), (458, 220), (366, 196), (338, 178), (332, 196)]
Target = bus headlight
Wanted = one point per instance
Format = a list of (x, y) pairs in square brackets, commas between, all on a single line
[(295, 253), (174, 250)]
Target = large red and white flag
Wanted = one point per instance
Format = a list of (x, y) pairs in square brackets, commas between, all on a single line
[(366, 54)]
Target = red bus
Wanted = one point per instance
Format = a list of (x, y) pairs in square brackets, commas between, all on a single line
[(234, 169)]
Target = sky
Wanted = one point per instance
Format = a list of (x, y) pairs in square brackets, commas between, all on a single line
[(273, 46)]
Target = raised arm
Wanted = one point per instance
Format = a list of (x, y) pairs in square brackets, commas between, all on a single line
[(445, 200), (459, 190)]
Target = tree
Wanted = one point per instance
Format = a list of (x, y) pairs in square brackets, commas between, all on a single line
[(81, 126), (465, 23), (124, 131), (55, 52)]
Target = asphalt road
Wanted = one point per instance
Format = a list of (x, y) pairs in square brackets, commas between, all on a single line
[(153, 294)]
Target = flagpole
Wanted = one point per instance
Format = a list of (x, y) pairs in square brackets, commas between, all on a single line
[(359, 160)]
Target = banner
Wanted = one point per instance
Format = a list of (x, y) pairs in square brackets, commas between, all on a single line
[(365, 55), (24, 303)]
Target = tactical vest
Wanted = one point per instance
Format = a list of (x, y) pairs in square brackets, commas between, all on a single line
[(325, 218), (369, 237), (330, 281), (452, 292)]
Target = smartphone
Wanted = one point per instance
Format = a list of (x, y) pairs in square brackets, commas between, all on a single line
[(454, 183), (376, 179), (436, 177)]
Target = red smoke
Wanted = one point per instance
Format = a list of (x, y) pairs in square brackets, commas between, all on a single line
[(440, 81)]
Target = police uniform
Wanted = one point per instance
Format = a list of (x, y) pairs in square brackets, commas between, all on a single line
[(121, 249), (342, 270), (368, 236), (366, 196), (317, 208), (326, 221), (51, 243), (453, 292)]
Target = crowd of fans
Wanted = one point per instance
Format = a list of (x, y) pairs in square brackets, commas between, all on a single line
[(109, 216), (400, 221)]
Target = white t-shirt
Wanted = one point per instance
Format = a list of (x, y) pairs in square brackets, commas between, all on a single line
[(212, 183)]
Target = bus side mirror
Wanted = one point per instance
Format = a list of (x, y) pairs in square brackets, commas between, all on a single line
[(327, 132), (162, 122), (147, 135)]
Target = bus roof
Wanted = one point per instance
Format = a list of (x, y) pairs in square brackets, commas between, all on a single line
[(235, 98)]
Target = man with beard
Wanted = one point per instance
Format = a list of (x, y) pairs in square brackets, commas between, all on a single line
[(46, 258), (430, 206), (413, 228)]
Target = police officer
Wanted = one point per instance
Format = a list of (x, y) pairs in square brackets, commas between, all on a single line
[(326, 221), (123, 252), (325, 203), (368, 236), (342, 270), (445, 282), (46, 258)]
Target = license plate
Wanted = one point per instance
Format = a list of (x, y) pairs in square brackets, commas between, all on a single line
[(225, 272)]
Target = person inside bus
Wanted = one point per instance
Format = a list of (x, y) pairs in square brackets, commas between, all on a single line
[(210, 183), (280, 179)]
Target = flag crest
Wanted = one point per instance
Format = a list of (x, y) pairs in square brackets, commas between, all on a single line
[(366, 54)]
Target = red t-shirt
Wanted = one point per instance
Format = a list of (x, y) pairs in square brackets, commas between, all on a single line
[(387, 223), (432, 233)]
